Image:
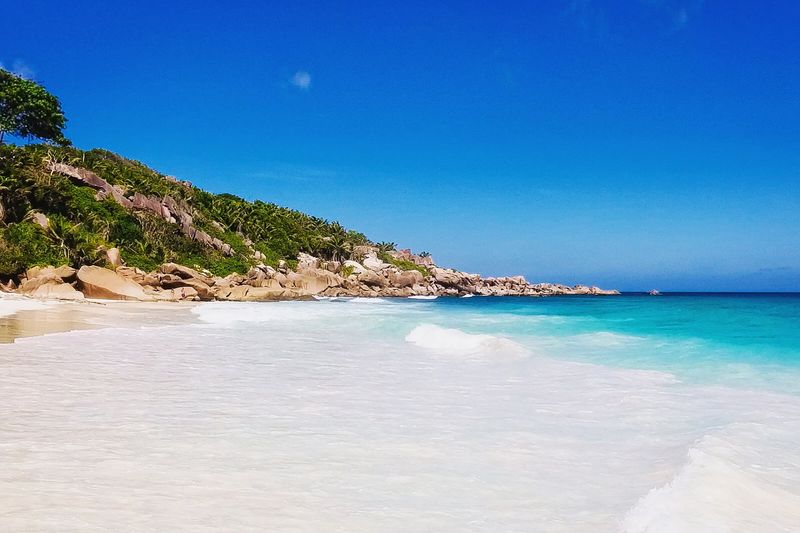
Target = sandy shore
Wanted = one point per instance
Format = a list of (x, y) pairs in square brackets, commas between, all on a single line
[(24, 317)]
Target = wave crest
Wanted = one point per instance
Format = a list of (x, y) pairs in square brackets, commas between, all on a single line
[(451, 341), (722, 487)]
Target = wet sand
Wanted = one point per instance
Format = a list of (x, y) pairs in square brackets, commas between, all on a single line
[(29, 318)]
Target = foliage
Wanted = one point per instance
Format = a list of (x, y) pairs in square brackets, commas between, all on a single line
[(23, 245), (403, 264), (83, 226), (347, 270), (386, 246), (28, 110)]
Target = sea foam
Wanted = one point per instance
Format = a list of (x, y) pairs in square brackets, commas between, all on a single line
[(451, 341), (735, 481)]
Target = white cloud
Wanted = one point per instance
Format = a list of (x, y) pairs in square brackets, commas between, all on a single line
[(301, 80)]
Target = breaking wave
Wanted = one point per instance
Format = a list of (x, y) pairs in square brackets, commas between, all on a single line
[(734, 481), (450, 341)]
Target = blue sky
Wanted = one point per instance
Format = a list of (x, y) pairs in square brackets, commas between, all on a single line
[(633, 144)]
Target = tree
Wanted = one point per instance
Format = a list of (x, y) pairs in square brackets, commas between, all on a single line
[(28, 110)]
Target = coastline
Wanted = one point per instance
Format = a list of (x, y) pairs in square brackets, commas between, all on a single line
[(369, 276)]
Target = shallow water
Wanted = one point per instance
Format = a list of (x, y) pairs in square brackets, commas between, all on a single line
[(636, 414)]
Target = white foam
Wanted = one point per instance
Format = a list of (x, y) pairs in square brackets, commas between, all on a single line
[(733, 482), (456, 342), (422, 297), (298, 406), (366, 300)]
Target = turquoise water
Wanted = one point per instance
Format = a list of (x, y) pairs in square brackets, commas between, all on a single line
[(747, 339)]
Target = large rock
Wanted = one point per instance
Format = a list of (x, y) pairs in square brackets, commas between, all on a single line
[(314, 281), (372, 262), (46, 283), (361, 251), (184, 272), (204, 291), (420, 289), (246, 293), (57, 291), (175, 295), (97, 282), (448, 278), (66, 272), (406, 278), (133, 274), (266, 282), (306, 261), (39, 279), (373, 279), (355, 266), (87, 177)]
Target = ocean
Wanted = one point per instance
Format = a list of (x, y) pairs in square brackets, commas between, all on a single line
[(674, 413)]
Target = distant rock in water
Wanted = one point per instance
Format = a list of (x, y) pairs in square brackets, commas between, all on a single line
[(654, 292)]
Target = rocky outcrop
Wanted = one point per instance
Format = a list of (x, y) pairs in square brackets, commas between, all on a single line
[(57, 291), (314, 280), (168, 208), (245, 293), (98, 282), (174, 295), (406, 278), (86, 177), (372, 262), (354, 266), (372, 278), (406, 255)]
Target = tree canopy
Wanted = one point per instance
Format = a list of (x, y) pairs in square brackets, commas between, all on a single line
[(27, 109)]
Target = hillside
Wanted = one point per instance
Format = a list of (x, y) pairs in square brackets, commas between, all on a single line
[(51, 215), (77, 224)]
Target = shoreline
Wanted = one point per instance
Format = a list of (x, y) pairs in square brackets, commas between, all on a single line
[(58, 316), (312, 277)]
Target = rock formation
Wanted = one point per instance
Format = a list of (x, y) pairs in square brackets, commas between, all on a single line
[(371, 277)]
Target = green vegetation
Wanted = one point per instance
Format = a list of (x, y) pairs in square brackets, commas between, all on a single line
[(347, 271), (403, 264), (81, 225), (49, 218), (28, 110)]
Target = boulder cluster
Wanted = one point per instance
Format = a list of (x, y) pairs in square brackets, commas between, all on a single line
[(367, 277)]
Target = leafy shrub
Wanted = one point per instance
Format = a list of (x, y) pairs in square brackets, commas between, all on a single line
[(347, 270), (403, 264), (24, 245)]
